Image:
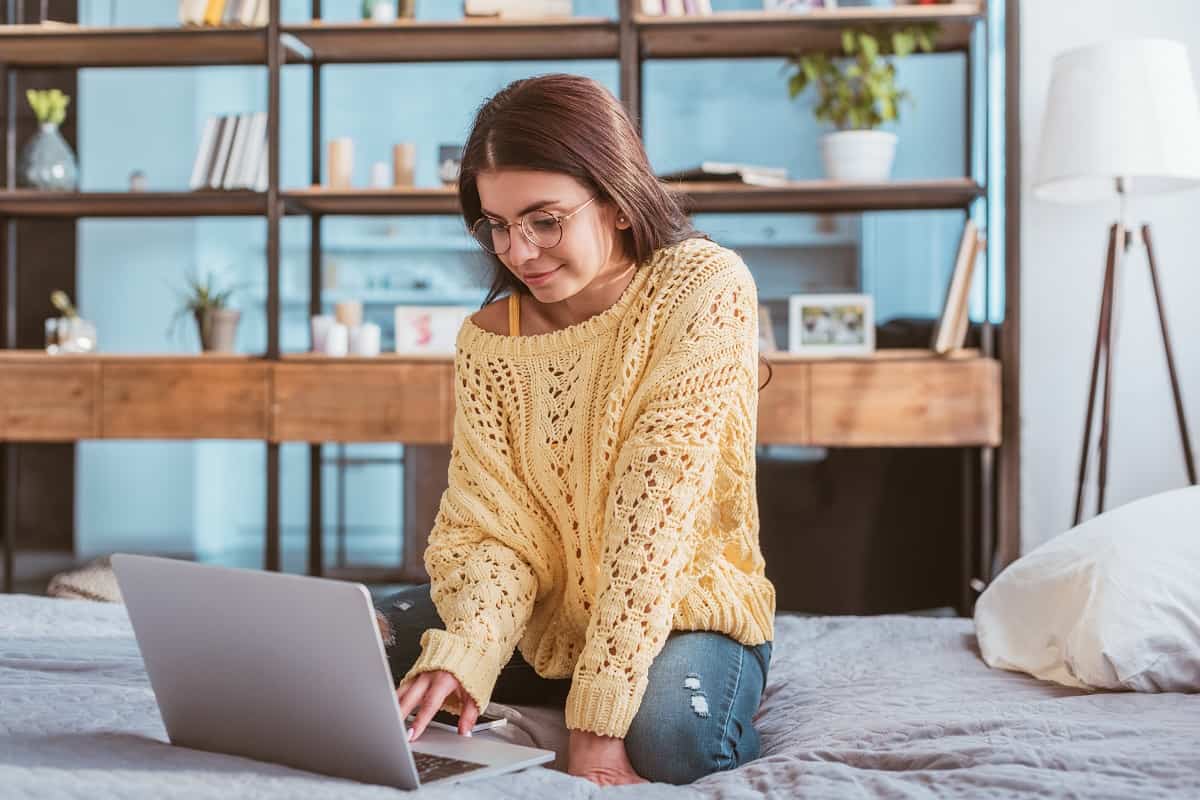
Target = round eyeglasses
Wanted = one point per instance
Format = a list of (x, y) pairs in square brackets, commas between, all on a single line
[(542, 229)]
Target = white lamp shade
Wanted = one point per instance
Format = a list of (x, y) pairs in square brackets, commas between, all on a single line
[(1124, 109)]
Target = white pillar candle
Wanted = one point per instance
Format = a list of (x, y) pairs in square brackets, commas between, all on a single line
[(337, 341), (364, 340), (320, 330)]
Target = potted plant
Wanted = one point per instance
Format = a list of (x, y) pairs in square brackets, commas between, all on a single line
[(209, 306), (47, 161), (857, 92)]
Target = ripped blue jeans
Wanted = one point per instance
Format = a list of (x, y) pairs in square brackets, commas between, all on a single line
[(696, 716)]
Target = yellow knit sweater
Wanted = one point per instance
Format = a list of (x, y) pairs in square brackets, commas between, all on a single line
[(602, 490)]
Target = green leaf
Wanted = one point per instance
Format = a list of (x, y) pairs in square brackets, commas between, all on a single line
[(796, 84), (848, 41), (869, 45)]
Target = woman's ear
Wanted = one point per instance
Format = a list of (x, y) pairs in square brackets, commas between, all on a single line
[(623, 222)]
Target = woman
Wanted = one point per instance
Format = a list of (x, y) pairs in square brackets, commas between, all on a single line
[(601, 510)]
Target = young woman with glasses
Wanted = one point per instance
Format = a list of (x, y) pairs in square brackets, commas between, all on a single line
[(601, 518)]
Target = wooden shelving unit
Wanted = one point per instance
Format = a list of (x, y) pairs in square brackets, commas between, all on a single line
[(904, 398)]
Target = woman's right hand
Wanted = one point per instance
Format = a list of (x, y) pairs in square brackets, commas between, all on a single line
[(425, 694)]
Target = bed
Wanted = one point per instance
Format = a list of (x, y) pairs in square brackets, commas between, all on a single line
[(895, 707)]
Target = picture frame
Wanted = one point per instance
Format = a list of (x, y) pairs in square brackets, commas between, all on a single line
[(831, 325), (429, 330)]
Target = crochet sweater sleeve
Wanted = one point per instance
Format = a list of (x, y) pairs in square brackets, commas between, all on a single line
[(478, 556), (664, 469)]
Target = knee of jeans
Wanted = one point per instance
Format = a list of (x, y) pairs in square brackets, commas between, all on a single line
[(680, 748)]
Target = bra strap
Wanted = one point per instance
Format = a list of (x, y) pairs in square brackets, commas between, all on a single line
[(514, 315)]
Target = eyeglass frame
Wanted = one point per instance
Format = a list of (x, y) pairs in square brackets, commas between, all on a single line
[(520, 221)]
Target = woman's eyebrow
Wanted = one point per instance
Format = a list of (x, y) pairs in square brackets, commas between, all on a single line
[(523, 211)]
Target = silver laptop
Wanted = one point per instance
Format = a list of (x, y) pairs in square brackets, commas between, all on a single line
[(287, 669)]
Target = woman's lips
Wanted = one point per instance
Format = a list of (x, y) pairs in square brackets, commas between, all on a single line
[(541, 277)]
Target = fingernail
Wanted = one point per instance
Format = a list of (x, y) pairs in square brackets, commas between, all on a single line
[(410, 734), (468, 733)]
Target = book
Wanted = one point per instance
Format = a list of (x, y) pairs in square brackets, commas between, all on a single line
[(221, 157), (204, 154), (237, 151), (213, 12), (249, 11), (652, 8), (951, 331), (260, 185), (191, 12), (230, 16), (674, 8), (256, 151), (725, 171), (262, 14)]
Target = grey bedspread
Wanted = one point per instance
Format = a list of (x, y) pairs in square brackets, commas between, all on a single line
[(891, 707)]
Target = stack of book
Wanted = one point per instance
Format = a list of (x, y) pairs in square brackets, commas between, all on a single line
[(232, 153), (224, 12), (738, 173), (517, 9), (676, 8)]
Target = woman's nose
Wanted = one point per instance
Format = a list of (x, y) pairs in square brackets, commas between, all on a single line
[(520, 250)]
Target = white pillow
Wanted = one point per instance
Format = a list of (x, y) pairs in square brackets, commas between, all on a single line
[(1111, 604)]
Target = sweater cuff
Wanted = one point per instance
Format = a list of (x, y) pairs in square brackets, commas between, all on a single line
[(475, 666), (604, 704)]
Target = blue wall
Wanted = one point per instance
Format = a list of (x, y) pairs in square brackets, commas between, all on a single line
[(207, 497)]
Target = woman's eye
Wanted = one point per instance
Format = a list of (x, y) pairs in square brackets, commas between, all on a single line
[(544, 224)]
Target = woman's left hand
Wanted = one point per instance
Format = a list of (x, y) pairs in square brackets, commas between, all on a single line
[(600, 759)]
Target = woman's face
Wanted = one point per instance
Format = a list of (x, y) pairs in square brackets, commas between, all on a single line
[(590, 245)]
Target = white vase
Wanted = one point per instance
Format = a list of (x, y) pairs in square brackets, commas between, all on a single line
[(858, 156)]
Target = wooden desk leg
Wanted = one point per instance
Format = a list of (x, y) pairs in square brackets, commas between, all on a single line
[(316, 520), (271, 560), (8, 510), (969, 527)]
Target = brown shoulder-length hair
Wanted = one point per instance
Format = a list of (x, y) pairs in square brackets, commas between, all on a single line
[(570, 125)]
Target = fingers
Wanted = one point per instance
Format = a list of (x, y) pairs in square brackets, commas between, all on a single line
[(409, 694), (441, 686), (470, 713)]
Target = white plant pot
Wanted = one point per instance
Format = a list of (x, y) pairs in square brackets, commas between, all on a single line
[(858, 156)]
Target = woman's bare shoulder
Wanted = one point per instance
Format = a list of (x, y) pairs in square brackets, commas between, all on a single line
[(493, 317)]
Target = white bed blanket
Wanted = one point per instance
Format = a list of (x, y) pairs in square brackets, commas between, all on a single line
[(893, 707)]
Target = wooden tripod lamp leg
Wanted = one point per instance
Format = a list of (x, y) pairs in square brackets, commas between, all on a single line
[(1102, 321), (1189, 461), (1119, 245)]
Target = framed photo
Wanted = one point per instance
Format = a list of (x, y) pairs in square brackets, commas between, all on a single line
[(831, 325), (430, 330)]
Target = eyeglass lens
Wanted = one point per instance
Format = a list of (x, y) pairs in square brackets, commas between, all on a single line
[(541, 228)]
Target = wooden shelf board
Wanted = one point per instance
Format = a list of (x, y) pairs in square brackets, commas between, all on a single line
[(797, 196), (34, 203), (465, 40), (62, 45), (749, 34), (394, 201), (825, 195)]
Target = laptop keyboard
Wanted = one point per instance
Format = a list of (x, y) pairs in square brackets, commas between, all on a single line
[(432, 768)]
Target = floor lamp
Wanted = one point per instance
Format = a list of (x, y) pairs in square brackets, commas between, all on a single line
[(1122, 119)]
